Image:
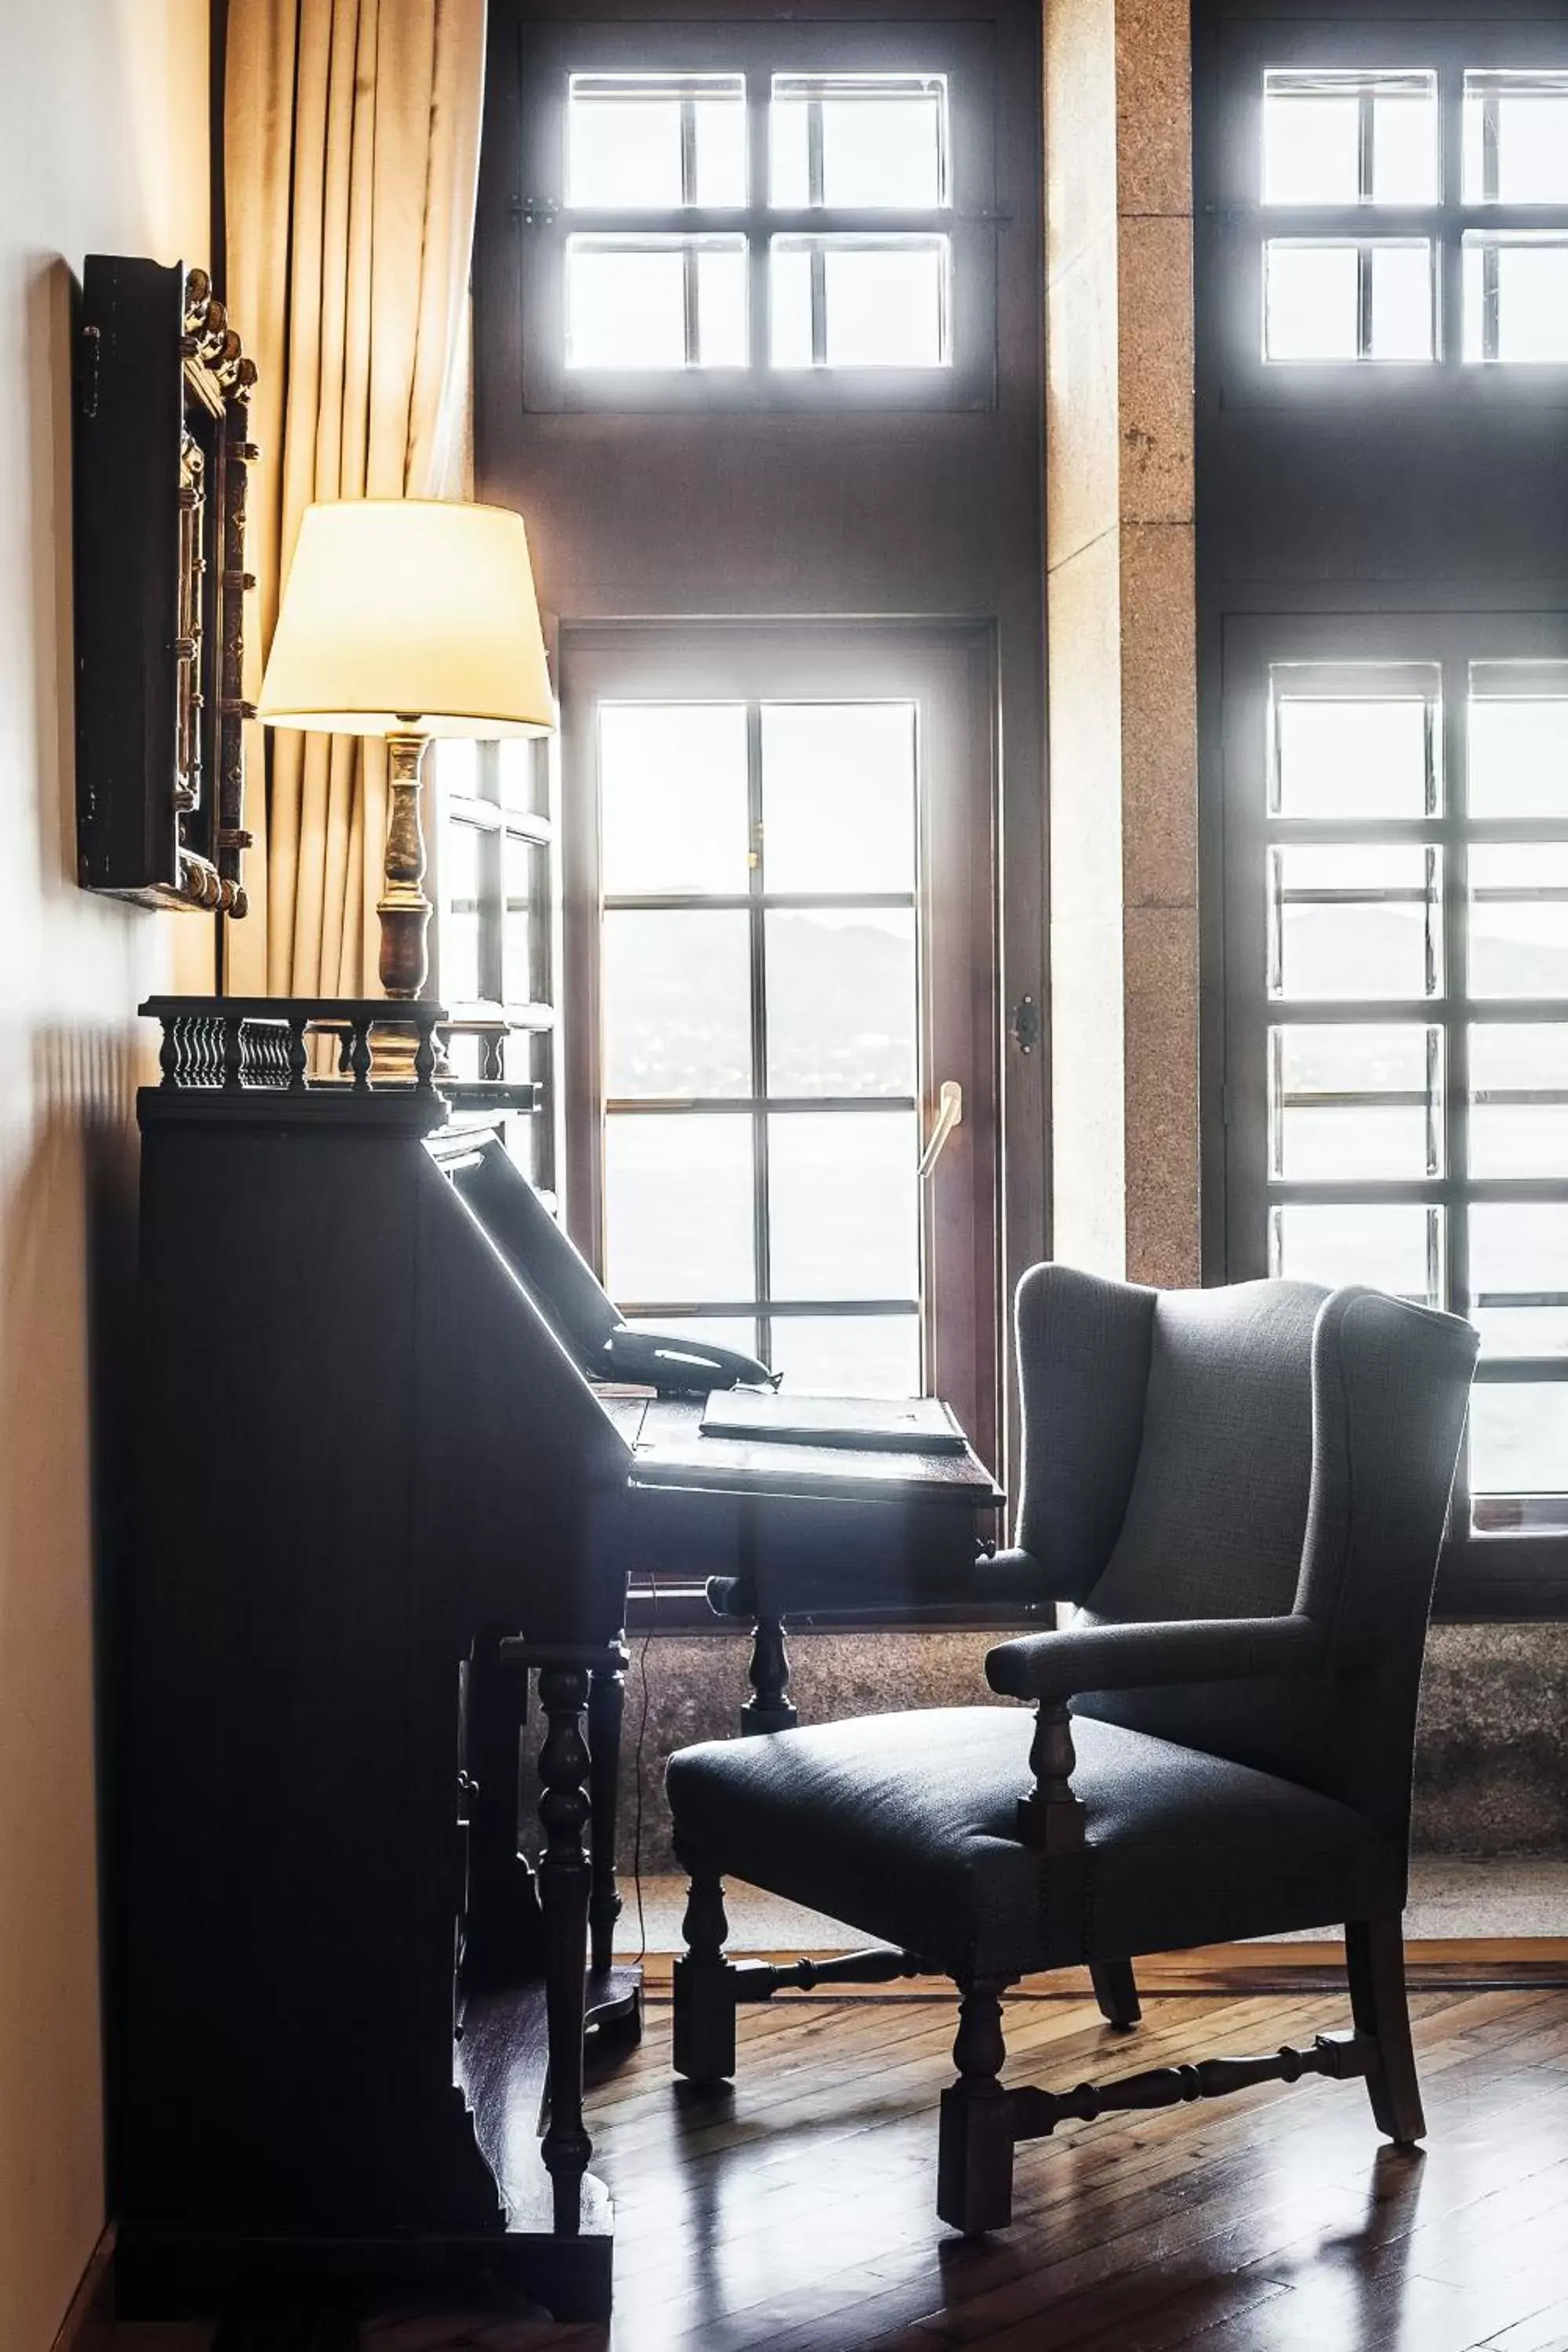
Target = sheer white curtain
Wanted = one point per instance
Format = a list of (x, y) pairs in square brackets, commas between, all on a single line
[(351, 164)]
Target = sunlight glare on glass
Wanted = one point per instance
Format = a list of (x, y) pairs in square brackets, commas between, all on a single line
[(1312, 300), (839, 796), (679, 1206), (1515, 137), (886, 304), (884, 139), (1349, 758), (624, 142), (847, 1354), (1312, 147), (672, 785), (625, 306), (1518, 739)]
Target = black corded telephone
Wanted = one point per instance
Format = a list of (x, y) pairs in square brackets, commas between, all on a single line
[(564, 1286)]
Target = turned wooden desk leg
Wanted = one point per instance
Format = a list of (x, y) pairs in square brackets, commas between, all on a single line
[(606, 1697), (564, 1878), (769, 1708)]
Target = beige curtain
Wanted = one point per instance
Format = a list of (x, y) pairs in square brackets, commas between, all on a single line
[(350, 162)]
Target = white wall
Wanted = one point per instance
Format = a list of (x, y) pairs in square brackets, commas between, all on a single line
[(103, 147)]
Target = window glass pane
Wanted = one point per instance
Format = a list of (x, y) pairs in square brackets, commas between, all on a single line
[(1516, 297), (1402, 302), (1351, 1101), (789, 266), (525, 875), (624, 140), (523, 773), (1519, 1099), (1519, 1276), (678, 1206), (1312, 300), (627, 302), (1347, 756), (1518, 739), (1519, 919), (1311, 141), (838, 796), (1354, 921), (1518, 1438), (885, 301), (1404, 144), (844, 1204), (672, 796), (842, 1002), (1312, 125), (675, 999), (724, 333), (462, 851), (1391, 1245), (456, 765), (883, 141), (1516, 138), (848, 1355)]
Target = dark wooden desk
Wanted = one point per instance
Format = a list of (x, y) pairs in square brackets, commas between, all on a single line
[(826, 1532), (379, 1507)]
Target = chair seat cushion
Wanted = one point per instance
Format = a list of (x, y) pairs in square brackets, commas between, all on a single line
[(903, 1826)]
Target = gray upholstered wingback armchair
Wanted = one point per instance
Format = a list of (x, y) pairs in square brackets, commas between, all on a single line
[(1244, 1489)]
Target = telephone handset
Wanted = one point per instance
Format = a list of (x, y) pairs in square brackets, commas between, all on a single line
[(678, 1366)]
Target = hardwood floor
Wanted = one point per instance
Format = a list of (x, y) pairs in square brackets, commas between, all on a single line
[(798, 2214)]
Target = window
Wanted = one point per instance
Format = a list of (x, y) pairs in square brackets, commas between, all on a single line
[(1407, 213), (783, 955), (1397, 934), (493, 953), (795, 219)]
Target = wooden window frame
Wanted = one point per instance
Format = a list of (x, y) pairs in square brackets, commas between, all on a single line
[(759, 49), (807, 661), (1244, 223)]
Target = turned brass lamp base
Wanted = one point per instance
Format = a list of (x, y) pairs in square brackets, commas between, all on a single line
[(403, 908)]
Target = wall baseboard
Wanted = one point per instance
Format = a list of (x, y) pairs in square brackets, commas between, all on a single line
[(91, 2313)]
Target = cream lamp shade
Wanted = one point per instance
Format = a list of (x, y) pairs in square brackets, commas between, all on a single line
[(409, 615)]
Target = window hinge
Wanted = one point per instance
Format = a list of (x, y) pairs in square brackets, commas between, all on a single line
[(533, 211)]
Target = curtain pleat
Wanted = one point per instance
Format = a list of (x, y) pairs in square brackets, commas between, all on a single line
[(350, 169)]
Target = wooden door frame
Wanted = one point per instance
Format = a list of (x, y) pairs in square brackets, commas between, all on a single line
[(951, 670)]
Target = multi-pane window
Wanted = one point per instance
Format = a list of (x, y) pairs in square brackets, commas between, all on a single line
[(1413, 213), (1397, 873), (760, 1020), (493, 953), (802, 217)]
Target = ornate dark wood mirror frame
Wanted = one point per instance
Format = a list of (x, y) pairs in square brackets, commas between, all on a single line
[(161, 450)]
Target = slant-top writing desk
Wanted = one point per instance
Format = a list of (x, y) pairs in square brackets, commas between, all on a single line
[(379, 1501)]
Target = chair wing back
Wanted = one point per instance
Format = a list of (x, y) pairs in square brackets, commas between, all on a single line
[(1083, 1375), (1392, 1385), (1218, 1511), (1298, 1452)]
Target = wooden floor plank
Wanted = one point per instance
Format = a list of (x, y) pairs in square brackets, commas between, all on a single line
[(796, 2213)]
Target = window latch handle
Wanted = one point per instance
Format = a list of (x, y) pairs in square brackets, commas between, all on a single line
[(949, 1115)]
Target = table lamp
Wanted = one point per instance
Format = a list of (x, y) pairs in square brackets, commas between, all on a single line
[(408, 618)]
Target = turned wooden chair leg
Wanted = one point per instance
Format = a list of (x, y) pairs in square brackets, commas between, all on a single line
[(704, 2030), (1116, 1991), (1375, 1956), (975, 2152)]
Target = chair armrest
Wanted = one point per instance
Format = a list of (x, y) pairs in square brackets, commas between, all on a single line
[(1056, 1667)]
